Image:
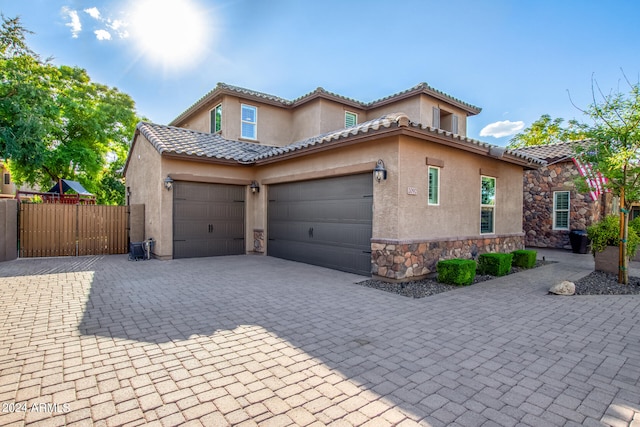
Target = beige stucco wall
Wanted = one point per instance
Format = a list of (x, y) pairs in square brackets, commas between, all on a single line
[(458, 213), (144, 180)]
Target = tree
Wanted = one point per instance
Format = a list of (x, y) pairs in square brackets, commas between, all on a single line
[(55, 123), (545, 131), (613, 149)]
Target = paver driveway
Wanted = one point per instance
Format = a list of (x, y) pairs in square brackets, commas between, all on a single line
[(249, 340)]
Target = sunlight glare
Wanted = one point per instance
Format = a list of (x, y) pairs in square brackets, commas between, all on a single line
[(171, 33)]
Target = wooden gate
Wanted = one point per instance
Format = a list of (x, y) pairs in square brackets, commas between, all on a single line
[(48, 230)]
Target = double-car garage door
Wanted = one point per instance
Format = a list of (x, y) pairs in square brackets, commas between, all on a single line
[(325, 222)]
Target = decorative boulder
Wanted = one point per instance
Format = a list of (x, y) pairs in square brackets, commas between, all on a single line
[(563, 288)]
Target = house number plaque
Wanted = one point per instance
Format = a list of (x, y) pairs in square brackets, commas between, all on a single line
[(413, 191)]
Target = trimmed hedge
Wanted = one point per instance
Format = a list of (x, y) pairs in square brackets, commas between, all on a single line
[(524, 258), (495, 264), (456, 271)]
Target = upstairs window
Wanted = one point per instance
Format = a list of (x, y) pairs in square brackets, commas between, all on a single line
[(561, 210), (350, 119), (249, 122), (7, 179), (434, 185), (487, 204), (216, 119)]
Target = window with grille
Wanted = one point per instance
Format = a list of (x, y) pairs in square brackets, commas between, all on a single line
[(561, 210), (249, 123), (487, 204), (434, 185)]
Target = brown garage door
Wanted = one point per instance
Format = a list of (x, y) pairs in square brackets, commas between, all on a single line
[(208, 219), (325, 222)]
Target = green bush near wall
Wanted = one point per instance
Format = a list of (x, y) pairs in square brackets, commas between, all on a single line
[(495, 264), (456, 271), (524, 258)]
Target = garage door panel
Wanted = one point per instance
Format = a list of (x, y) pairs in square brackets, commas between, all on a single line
[(208, 219), (352, 260), (324, 222)]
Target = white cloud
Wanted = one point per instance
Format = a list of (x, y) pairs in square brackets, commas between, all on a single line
[(74, 24), (102, 34), (502, 128), (93, 12), (119, 27)]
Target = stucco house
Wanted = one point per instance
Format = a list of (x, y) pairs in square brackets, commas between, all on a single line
[(553, 207), (384, 188)]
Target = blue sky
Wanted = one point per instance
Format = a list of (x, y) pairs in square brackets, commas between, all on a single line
[(515, 59)]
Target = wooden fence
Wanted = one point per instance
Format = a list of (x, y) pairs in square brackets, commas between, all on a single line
[(72, 230)]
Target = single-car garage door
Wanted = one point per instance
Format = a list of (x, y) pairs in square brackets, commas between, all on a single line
[(325, 222), (208, 219)]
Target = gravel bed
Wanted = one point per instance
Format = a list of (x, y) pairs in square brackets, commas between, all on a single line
[(600, 283), (429, 286), (596, 283)]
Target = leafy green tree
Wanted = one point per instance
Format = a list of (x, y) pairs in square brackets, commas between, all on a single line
[(55, 123), (545, 131), (613, 149)]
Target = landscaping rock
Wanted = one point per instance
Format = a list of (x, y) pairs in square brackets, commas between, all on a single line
[(563, 288)]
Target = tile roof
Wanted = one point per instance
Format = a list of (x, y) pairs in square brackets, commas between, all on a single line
[(174, 140), (551, 152), (419, 88), (181, 141)]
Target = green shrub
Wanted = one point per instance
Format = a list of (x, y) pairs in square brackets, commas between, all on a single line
[(606, 232), (495, 264), (456, 271), (524, 258)]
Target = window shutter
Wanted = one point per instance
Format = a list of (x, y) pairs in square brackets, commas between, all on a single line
[(436, 118), (350, 119), (454, 124)]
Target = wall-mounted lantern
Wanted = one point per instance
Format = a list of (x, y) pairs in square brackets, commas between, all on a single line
[(255, 188), (168, 183), (380, 173)]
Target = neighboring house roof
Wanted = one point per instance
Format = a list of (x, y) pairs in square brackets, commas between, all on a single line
[(69, 185), (551, 153), (180, 142), (223, 88)]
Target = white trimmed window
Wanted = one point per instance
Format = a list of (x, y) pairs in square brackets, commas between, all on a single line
[(216, 119), (561, 210), (487, 204), (249, 123), (350, 119), (434, 186)]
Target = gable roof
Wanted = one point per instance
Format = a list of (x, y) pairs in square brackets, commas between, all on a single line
[(198, 146), (223, 88), (551, 153), (67, 185)]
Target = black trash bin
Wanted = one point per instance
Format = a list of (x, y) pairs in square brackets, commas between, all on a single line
[(579, 241)]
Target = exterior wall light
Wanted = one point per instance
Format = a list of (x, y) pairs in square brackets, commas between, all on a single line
[(168, 183), (380, 173), (255, 188)]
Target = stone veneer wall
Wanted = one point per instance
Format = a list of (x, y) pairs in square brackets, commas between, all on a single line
[(537, 220), (406, 260)]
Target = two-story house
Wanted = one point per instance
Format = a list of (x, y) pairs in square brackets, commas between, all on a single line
[(387, 187)]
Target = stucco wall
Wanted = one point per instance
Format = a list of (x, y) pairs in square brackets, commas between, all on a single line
[(539, 186), (144, 181), (458, 213)]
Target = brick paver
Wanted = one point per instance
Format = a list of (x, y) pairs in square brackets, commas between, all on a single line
[(250, 340)]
